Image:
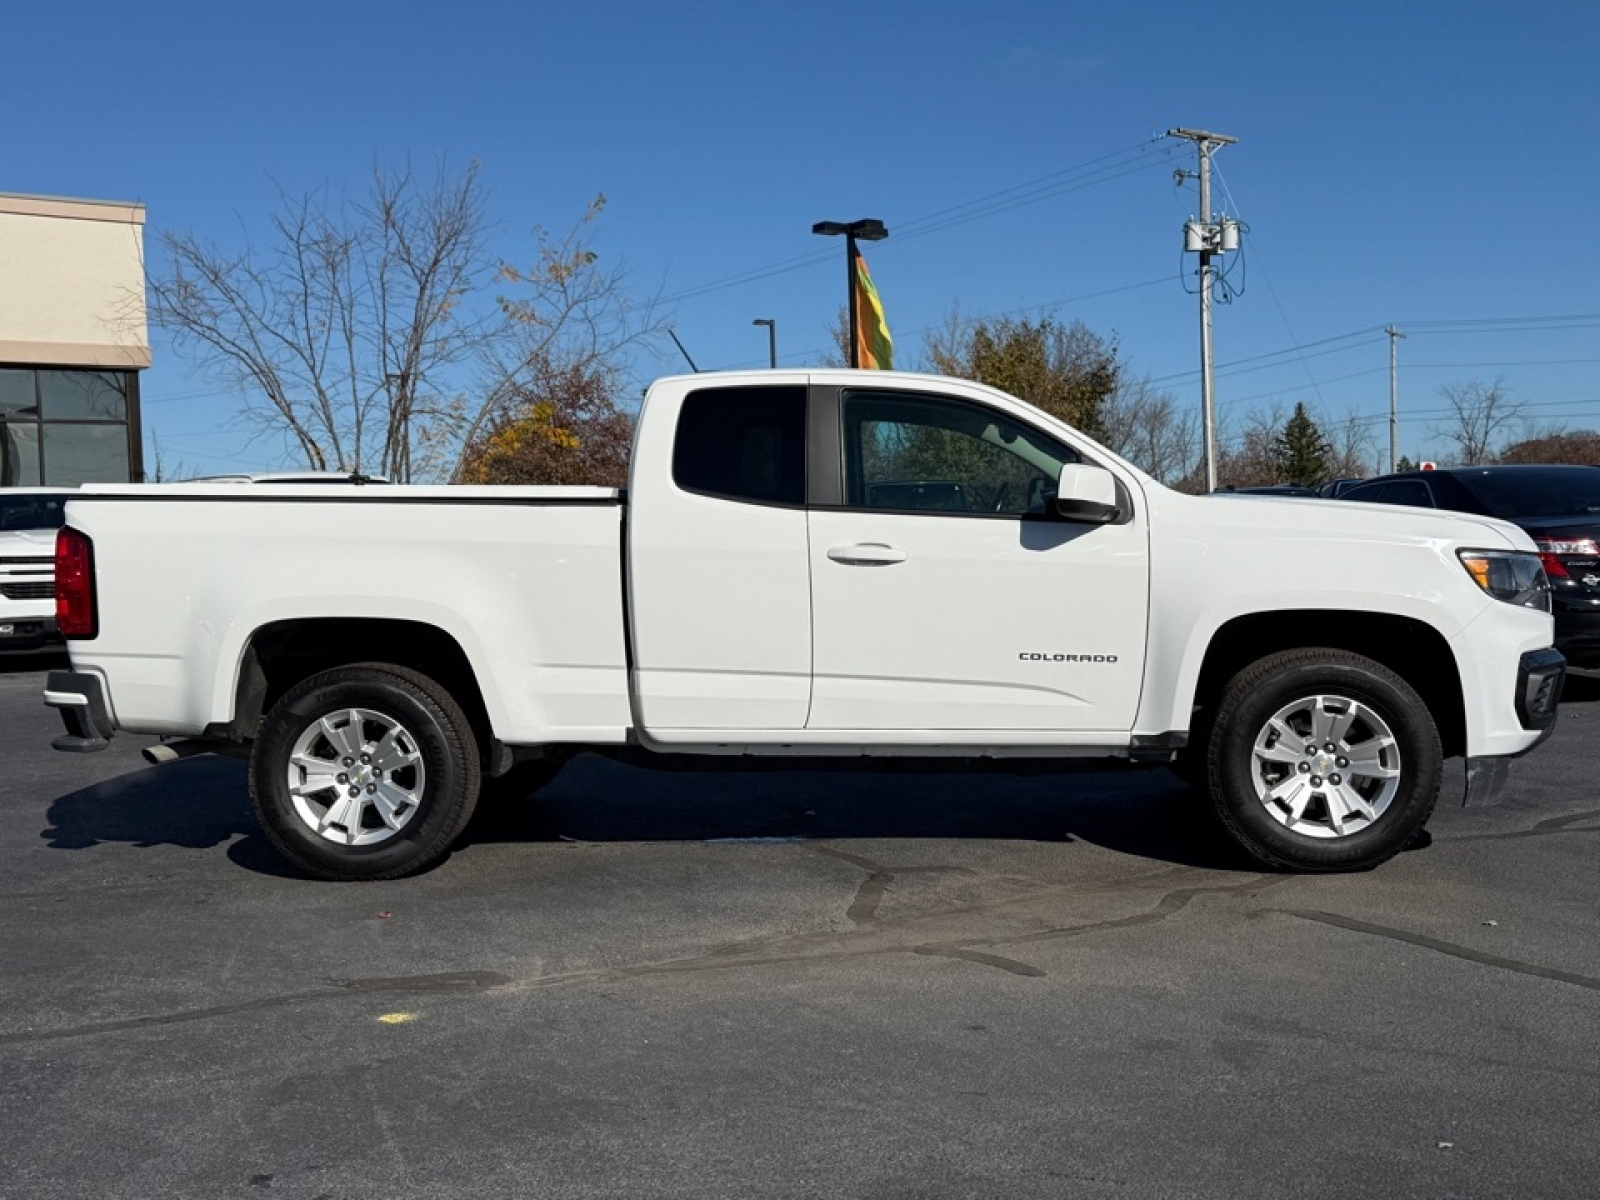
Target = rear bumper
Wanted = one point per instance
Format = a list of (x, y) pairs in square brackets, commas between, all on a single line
[(27, 633), (81, 700)]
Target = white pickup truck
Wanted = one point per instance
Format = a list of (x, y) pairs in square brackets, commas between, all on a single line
[(807, 563), (29, 518)]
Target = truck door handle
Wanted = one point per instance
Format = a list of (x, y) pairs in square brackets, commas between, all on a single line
[(867, 554)]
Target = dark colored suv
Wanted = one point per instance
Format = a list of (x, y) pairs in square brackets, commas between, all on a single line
[(1559, 506)]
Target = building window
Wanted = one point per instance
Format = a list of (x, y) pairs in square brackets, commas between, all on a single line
[(64, 427)]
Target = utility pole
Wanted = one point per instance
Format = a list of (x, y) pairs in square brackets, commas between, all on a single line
[(1208, 240), (1394, 394)]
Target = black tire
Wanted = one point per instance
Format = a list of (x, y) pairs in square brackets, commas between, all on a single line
[(1350, 817), (395, 716)]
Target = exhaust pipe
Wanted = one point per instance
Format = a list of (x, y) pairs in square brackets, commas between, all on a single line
[(170, 752)]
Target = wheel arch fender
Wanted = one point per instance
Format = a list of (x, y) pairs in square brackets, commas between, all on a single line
[(1412, 648), (279, 654)]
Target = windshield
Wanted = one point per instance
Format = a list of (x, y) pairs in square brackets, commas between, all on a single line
[(33, 510), (1536, 493)]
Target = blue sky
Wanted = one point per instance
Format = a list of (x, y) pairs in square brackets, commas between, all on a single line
[(1427, 164)]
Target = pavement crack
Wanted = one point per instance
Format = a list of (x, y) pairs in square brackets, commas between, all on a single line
[(453, 981), (1465, 953), (1169, 905), (976, 956), (1541, 829), (863, 909), (886, 937)]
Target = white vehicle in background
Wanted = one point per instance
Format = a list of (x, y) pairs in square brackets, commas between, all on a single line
[(29, 518), (807, 563), (290, 477)]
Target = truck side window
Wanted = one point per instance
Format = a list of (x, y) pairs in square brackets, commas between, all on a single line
[(743, 443), (934, 454)]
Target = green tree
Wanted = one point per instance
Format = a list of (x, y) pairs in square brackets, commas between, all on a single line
[(1303, 450), (1067, 370)]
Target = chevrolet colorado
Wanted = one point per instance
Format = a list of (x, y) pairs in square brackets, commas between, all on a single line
[(807, 563)]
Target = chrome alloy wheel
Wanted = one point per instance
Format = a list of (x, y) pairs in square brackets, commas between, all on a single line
[(356, 777), (1326, 766)]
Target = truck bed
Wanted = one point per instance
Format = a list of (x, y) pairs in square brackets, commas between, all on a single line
[(527, 580)]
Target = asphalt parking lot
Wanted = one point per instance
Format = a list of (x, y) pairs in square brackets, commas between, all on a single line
[(831, 984)]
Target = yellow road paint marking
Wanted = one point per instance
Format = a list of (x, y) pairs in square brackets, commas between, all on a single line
[(396, 1018)]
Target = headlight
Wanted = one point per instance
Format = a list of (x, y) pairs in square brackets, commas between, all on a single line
[(1510, 576)]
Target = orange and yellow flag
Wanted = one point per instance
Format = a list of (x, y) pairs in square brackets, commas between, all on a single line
[(874, 346)]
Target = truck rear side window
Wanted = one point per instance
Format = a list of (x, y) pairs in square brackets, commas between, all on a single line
[(743, 443)]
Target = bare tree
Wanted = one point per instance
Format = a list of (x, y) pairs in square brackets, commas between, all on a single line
[(1480, 415), (357, 331), (838, 352), (568, 318), (1554, 445), (1353, 450), (1250, 457), (1145, 427), (343, 333)]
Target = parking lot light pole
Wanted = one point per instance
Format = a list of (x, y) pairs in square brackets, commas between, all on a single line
[(868, 229), (772, 339)]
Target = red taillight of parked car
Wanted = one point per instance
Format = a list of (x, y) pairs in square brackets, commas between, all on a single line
[(76, 615), (1551, 551)]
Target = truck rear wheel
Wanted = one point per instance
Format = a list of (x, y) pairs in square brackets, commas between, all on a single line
[(364, 772), (1323, 760)]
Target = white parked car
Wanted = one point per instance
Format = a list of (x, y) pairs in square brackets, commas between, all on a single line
[(29, 518), (290, 477), (824, 563)]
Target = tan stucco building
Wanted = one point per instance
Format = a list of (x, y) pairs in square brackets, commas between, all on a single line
[(73, 339)]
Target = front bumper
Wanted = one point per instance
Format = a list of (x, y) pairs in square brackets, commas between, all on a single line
[(1539, 678), (81, 700)]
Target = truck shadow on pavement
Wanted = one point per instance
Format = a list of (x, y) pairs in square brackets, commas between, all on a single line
[(27, 662), (1145, 813), (202, 803), (198, 804), (1581, 688)]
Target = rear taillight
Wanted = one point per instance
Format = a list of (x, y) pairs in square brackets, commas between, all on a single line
[(76, 614), (1553, 565), (1578, 547), (1551, 551)]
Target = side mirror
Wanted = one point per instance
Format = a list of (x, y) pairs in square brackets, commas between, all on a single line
[(1087, 494)]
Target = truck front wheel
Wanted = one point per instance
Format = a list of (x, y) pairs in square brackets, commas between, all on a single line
[(1323, 760), (364, 772)]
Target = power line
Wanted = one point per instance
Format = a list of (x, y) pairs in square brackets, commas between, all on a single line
[(1139, 147), (1271, 291), (1587, 318), (1068, 180), (804, 356), (1285, 353)]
